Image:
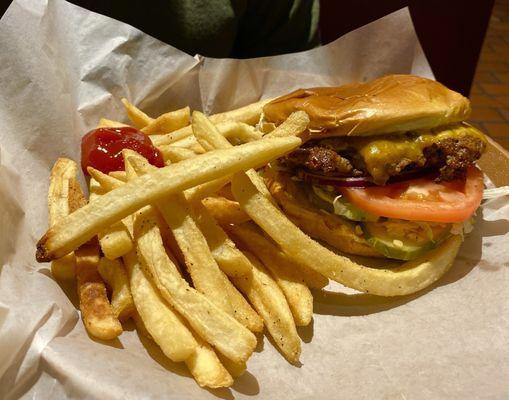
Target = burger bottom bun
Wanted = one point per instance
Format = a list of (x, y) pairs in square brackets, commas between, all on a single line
[(317, 223)]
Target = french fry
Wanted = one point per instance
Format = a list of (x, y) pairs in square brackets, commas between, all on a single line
[(203, 363), (115, 240), (235, 369), (206, 189), (96, 311), (211, 323), (289, 280), (108, 123), (162, 323), (206, 367), (238, 132), (270, 302), (295, 124), (137, 117), (58, 207), (120, 175), (175, 154), (230, 259), (225, 211), (168, 122), (106, 181), (210, 138), (192, 195), (113, 273), (268, 252), (205, 272), (266, 127), (78, 227), (188, 142), (140, 325), (409, 278), (235, 132), (249, 114)]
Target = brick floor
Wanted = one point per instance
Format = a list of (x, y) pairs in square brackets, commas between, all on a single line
[(490, 92)]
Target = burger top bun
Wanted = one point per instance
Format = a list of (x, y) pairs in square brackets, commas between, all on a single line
[(391, 104)]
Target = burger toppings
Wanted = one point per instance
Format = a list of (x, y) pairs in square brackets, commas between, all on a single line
[(447, 151)]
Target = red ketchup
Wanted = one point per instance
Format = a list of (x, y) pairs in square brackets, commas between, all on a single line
[(102, 148)]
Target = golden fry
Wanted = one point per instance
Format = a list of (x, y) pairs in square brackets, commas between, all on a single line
[(225, 211), (63, 171), (137, 117), (230, 259), (162, 323), (268, 252), (214, 325), (295, 124), (409, 278), (168, 122), (270, 302), (96, 311), (114, 274), (83, 224), (249, 114), (204, 271), (297, 294)]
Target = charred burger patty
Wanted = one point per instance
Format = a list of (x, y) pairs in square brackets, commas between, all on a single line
[(448, 153)]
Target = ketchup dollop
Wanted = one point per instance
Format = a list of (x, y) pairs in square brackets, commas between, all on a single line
[(102, 148)]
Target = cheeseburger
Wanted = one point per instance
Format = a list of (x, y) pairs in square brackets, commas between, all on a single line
[(387, 167)]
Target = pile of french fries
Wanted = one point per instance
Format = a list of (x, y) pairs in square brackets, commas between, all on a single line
[(198, 253)]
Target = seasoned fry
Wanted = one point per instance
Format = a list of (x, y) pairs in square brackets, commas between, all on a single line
[(106, 182), (80, 226), (249, 114), (204, 271), (409, 278), (96, 311), (230, 259), (58, 207), (206, 368), (295, 124), (297, 294), (168, 122), (114, 274), (98, 316), (137, 117), (225, 211), (203, 363), (214, 325), (209, 137), (115, 240), (206, 189), (193, 194), (175, 154), (235, 132), (108, 123), (270, 302), (161, 321), (268, 252)]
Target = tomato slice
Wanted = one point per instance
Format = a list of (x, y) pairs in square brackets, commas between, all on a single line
[(102, 148), (422, 199)]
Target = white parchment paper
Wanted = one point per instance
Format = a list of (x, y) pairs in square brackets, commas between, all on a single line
[(63, 67)]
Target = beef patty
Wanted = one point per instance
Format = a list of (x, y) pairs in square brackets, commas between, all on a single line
[(450, 157)]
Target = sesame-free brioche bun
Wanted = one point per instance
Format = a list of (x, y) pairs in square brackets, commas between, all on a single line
[(391, 104), (329, 228)]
